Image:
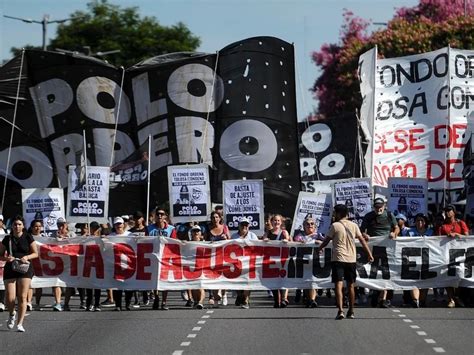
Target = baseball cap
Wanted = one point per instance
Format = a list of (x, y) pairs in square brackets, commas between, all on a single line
[(196, 228), (118, 220), (379, 201), (125, 217), (401, 216), (450, 208), (60, 220), (244, 220), (1, 217)]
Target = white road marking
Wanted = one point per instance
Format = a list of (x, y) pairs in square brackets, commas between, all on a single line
[(196, 329), (396, 310), (205, 316), (430, 341), (414, 327), (402, 315), (177, 352), (192, 335), (421, 332), (210, 312), (439, 350), (185, 343), (202, 322), (408, 321)]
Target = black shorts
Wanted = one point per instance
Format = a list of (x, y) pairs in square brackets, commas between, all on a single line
[(343, 271)]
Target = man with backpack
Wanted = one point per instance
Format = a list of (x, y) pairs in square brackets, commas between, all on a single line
[(380, 223)]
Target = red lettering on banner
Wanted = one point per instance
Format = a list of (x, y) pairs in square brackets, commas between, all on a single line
[(401, 141), (449, 136), (143, 261), (231, 254), (93, 259), (122, 249), (171, 262), (267, 271), (383, 172), (201, 255), (436, 170), (284, 258), (214, 270), (73, 251), (36, 266), (253, 251), (58, 267)]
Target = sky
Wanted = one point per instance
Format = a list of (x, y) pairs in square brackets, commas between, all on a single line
[(308, 24)]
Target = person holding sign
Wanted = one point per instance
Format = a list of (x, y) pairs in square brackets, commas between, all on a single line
[(309, 235), (452, 228), (20, 247), (343, 234), (199, 294)]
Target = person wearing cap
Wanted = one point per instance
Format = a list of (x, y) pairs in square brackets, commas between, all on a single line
[(379, 223), (402, 225), (161, 228), (309, 235), (60, 234), (452, 228), (243, 233), (119, 231)]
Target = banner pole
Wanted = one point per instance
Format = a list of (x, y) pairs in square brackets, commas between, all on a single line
[(87, 180), (148, 182)]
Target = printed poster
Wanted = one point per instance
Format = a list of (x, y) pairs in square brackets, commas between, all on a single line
[(408, 196), (189, 193), (91, 199), (45, 204), (356, 195), (311, 205), (244, 198)]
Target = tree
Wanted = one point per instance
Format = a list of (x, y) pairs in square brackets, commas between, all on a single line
[(431, 25), (107, 27)]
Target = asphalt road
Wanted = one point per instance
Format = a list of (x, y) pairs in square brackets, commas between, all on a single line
[(231, 330)]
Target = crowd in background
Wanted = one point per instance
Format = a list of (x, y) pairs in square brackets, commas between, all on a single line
[(378, 222)]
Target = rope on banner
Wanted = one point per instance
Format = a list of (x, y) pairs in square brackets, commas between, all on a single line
[(13, 127)]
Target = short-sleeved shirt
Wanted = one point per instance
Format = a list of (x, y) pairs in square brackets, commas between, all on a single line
[(168, 231), (20, 246), (378, 225), (415, 233), (249, 236), (343, 234), (311, 238), (139, 232), (458, 226)]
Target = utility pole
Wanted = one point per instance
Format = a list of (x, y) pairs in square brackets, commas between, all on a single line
[(44, 23)]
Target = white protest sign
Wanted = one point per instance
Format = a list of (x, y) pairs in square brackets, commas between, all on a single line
[(45, 204), (408, 196), (356, 194), (317, 206)]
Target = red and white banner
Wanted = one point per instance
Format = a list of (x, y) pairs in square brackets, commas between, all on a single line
[(144, 263), (421, 116)]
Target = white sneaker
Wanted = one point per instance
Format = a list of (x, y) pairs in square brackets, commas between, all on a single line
[(29, 307), (2, 307), (11, 320), (19, 328), (224, 299)]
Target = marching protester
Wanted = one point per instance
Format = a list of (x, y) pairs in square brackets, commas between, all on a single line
[(120, 231), (452, 228), (3, 232), (36, 231), (421, 229), (217, 231), (198, 294), (94, 231), (60, 234), (402, 224), (280, 297), (20, 248), (139, 229), (379, 223), (244, 233), (161, 228), (309, 235), (343, 261)]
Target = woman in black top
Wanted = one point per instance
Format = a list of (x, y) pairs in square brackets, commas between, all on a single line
[(17, 245)]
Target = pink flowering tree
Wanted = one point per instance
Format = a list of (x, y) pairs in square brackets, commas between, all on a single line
[(430, 25)]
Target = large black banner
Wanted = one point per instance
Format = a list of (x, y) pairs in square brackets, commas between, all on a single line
[(234, 111)]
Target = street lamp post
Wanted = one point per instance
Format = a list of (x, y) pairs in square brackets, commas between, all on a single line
[(44, 23)]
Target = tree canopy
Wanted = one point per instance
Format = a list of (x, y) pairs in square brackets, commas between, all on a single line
[(107, 27), (431, 25)]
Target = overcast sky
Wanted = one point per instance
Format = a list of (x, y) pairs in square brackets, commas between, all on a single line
[(307, 24)]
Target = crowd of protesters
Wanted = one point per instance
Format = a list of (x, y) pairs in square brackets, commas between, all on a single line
[(19, 243)]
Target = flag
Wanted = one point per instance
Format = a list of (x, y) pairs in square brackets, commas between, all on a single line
[(133, 169), (80, 170)]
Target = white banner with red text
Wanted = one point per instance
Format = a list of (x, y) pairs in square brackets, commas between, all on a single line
[(145, 263)]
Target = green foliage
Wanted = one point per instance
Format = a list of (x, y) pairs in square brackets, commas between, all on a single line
[(106, 27), (427, 27)]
